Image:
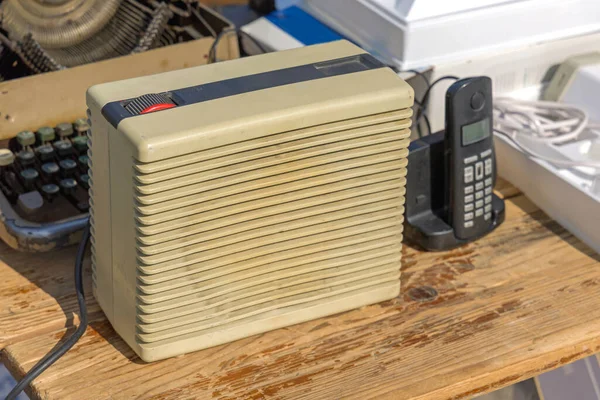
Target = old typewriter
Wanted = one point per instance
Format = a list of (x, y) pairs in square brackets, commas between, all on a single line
[(43, 170), (44, 186)]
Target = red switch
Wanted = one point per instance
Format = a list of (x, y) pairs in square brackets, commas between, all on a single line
[(157, 107)]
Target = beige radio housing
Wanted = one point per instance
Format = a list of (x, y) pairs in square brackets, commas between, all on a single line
[(271, 194)]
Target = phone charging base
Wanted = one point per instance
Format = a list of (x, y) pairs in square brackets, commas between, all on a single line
[(425, 196), (433, 233)]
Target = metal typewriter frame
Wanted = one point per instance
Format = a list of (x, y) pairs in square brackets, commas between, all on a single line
[(24, 235)]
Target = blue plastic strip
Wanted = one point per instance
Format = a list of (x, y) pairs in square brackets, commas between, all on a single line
[(115, 111), (302, 26)]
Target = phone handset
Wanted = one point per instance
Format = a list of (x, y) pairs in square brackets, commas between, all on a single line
[(470, 157)]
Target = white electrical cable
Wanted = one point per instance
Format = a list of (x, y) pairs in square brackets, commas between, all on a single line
[(530, 124)]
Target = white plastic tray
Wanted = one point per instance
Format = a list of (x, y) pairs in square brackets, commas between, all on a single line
[(572, 199), (418, 33)]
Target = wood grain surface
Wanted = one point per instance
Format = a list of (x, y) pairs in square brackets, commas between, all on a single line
[(37, 293), (521, 301)]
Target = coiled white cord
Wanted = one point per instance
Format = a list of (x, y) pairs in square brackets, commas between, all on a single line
[(531, 123)]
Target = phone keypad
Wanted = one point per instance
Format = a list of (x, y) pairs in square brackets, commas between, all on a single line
[(468, 174), (478, 172), (488, 166), (471, 160)]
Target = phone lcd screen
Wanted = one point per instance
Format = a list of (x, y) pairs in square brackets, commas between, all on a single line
[(475, 132)]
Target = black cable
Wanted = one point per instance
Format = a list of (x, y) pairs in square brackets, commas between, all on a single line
[(421, 103), (51, 358), (212, 52), (422, 75), (428, 124), (423, 110), (213, 48), (426, 119)]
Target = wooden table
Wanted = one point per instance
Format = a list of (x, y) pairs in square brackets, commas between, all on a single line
[(519, 302)]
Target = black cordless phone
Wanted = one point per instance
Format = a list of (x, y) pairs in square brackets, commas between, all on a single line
[(470, 158)]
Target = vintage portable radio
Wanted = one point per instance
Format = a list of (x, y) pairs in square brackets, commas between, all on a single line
[(236, 198)]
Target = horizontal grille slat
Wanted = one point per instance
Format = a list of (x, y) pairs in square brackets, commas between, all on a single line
[(286, 162), (234, 325), (217, 306), (234, 255), (213, 247), (223, 151), (252, 210), (271, 305), (198, 287), (278, 223), (278, 154), (282, 173), (327, 183), (156, 287)]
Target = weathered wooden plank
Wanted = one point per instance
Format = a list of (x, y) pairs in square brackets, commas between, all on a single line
[(505, 189), (37, 293), (518, 302)]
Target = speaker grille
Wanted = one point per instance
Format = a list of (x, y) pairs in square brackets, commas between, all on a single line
[(91, 210), (231, 234)]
